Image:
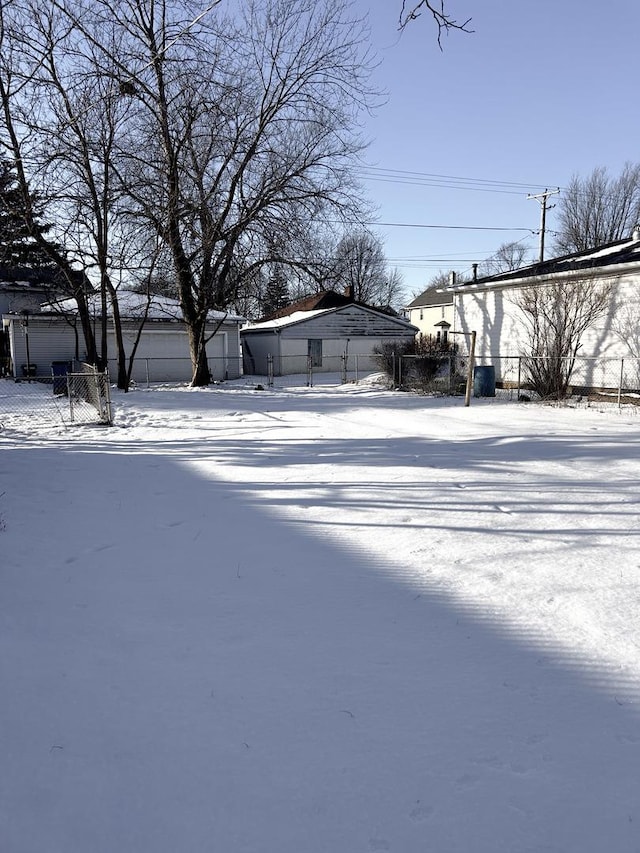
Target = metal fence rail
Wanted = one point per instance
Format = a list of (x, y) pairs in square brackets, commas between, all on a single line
[(284, 370), (80, 397), (159, 369), (597, 378)]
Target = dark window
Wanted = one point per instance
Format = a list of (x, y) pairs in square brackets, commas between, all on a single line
[(314, 350)]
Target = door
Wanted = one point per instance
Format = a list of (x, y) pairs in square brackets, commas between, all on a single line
[(314, 351)]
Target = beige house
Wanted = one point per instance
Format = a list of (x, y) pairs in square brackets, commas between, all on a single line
[(431, 311)]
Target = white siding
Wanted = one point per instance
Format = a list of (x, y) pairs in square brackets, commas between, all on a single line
[(352, 330), (162, 354), (425, 318), (501, 330), (50, 339)]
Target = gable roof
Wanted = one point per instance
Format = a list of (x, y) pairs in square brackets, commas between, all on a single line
[(606, 258), (37, 278), (302, 316), (433, 295), (317, 301), (320, 301)]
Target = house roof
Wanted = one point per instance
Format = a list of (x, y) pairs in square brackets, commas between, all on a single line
[(133, 306), (37, 278), (433, 295), (322, 300), (303, 316), (317, 301), (602, 258)]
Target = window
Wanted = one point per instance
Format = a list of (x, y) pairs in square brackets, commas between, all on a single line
[(314, 351)]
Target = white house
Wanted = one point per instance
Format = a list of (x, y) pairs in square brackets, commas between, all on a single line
[(489, 306), (25, 289), (431, 312), (54, 334), (326, 335)]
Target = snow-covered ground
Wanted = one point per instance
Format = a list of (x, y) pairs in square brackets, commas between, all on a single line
[(326, 620)]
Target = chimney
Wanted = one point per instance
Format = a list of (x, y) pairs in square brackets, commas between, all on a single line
[(475, 271), (452, 278), (348, 292), (635, 234)]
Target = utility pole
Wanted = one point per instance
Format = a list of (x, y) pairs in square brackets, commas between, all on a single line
[(542, 198)]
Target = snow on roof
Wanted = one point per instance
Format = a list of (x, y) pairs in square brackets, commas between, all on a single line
[(589, 262), (289, 320), (300, 316), (134, 305)]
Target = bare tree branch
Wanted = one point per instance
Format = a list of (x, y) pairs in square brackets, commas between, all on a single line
[(557, 315), (444, 21), (598, 209)]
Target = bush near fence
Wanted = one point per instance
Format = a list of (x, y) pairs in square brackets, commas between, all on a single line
[(425, 364)]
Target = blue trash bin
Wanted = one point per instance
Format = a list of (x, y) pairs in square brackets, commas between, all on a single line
[(484, 381), (59, 370)]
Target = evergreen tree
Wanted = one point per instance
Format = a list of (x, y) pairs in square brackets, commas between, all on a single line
[(18, 246), (276, 293)]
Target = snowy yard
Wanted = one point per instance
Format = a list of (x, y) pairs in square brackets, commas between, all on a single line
[(326, 620)]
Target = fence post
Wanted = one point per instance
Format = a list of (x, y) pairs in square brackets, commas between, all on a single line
[(357, 376), (71, 390), (269, 371), (620, 383), (107, 398), (472, 352), (309, 371), (519, 376), (344, 367)]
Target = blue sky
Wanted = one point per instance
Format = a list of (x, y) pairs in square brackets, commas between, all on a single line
[(538, 92)]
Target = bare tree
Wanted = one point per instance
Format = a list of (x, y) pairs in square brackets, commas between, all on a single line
[(557, 315), (360, 268), (18, 71), (444, 21), (70, 119), (598, 209), (206, 132), (508, 257), (244, 125)]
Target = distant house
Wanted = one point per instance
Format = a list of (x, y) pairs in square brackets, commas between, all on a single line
[(489, 305), (432, 312), (53, 333), (25, 289), (324, 328)]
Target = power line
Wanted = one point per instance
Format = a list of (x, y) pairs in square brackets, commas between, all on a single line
[(445, 227), (402, 176)]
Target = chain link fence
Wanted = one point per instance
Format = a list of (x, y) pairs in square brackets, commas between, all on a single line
[(606, 379), (150, 371), (284, 371), (76, 394)]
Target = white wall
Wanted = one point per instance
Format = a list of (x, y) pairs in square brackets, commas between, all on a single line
[(50, 339), (502, 334), (162, 354), (425, 318)]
